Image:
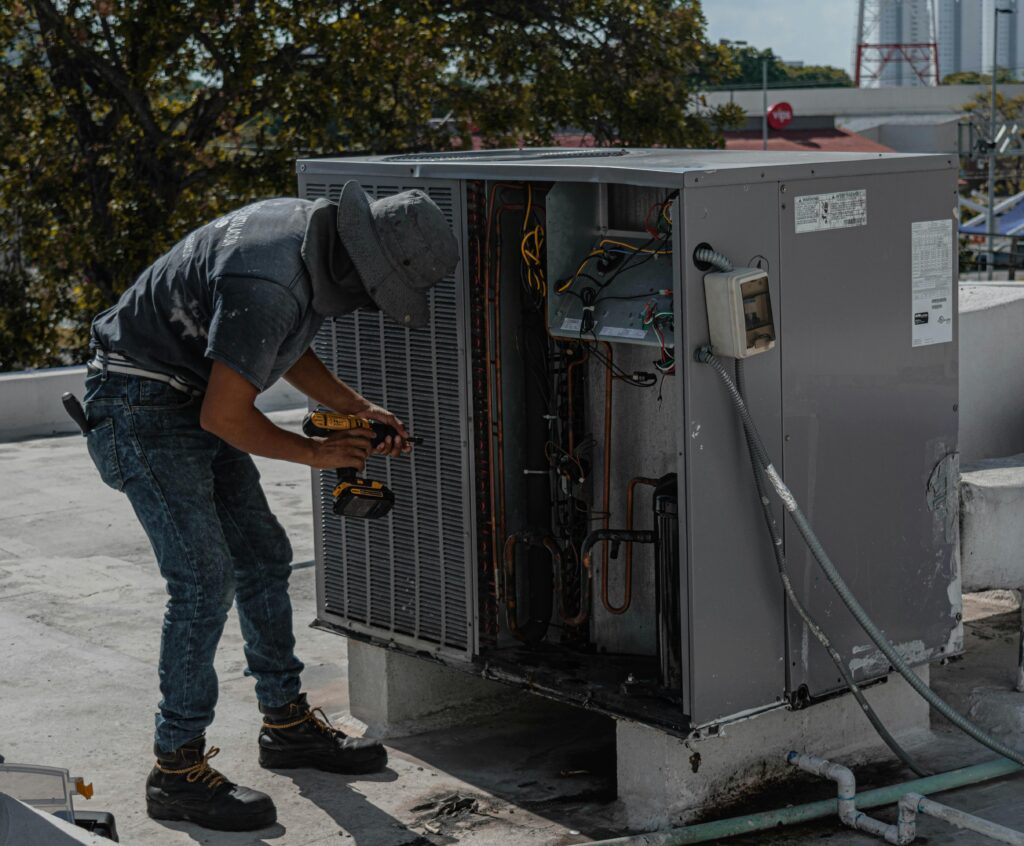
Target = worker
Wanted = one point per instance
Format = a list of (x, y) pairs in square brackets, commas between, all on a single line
[(176, 367)]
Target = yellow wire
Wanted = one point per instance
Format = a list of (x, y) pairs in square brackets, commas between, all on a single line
[(632, 247)]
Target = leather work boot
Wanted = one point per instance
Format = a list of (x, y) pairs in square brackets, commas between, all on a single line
[(296, 735), (183, 786)]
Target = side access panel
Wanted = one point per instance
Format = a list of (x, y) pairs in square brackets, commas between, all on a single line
[(406, 578), (870, 417), (734, 615)]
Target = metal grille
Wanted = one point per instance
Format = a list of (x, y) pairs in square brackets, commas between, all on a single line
[(404, 577)]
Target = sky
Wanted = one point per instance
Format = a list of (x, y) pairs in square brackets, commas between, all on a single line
[(816, 32)]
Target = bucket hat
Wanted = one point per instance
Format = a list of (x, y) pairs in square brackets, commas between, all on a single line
[(401, 247)]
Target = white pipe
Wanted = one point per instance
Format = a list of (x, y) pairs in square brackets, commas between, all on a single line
[(914, 803), (847, 796)]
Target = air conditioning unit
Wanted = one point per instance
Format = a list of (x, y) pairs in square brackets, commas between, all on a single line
[(557, 394)]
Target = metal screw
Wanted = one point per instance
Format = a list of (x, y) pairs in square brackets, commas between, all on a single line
[(782, 188), (302, 167)]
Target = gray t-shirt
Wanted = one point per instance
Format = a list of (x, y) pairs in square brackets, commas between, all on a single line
[(235, 290)]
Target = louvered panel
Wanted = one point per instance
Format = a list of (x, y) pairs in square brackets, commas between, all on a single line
[(406, 576)]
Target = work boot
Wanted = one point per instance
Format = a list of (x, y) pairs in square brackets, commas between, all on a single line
[(183, 786), (296, 735)]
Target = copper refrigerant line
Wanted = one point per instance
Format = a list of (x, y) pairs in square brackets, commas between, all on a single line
[(627, 570), (504, 563), (511, 607)]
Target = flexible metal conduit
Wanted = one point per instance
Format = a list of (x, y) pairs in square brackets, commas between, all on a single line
[(720, 262), (894, 658), (794, 814)]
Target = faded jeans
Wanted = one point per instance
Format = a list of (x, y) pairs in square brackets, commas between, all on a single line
[(215, 540)]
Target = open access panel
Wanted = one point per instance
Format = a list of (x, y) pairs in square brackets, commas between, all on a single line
[(581, 518)]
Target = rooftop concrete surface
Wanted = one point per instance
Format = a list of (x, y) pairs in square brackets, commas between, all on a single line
[(80, 611)]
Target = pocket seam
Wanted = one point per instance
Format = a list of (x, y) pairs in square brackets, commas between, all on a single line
[(114, 462)]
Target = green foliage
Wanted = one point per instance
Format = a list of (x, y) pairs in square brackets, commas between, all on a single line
[(748, 73), (129, 122), (1003, 75)]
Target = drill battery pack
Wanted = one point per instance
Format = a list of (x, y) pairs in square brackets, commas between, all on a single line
[(355, 497)]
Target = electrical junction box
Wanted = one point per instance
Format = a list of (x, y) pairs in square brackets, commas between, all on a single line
[(540, 430), (739, 312)]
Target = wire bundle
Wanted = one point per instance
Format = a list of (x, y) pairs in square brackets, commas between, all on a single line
[(655, 320), (530, 245)]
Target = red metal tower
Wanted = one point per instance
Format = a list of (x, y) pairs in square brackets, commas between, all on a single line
[(875, 54)]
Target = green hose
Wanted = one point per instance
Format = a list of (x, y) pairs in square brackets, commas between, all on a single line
[(766, 820)]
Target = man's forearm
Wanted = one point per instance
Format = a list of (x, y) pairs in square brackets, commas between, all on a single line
[(249, 430), (311, 377)]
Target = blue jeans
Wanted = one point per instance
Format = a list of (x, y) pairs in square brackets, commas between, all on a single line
[(214, 538)]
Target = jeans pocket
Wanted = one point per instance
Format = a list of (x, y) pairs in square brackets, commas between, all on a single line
[(103, 452), (157, 395)]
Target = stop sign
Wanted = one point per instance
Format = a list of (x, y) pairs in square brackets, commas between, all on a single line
[(780, 115)]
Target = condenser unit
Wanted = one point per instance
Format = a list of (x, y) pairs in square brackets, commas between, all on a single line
[(557, 395)]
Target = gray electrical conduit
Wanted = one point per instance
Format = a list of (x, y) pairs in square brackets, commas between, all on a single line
[(705, 356), (809, 621), (721, 262), (761, 457)]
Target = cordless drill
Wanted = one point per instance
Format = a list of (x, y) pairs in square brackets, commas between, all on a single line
[(354, 496)]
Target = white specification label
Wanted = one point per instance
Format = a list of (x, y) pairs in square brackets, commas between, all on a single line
[(623, 332), (838, 210), (931, 281), (571, 324)]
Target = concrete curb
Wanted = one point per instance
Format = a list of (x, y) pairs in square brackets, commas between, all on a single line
[(30, 404)]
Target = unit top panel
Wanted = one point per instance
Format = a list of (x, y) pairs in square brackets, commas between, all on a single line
[(693, 168)]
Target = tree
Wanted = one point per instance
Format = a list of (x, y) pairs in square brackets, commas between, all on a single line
[(1003, 75), (749, 63), (129, 122)]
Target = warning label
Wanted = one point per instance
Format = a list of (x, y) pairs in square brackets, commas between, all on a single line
[(931, 281), (838, 210)]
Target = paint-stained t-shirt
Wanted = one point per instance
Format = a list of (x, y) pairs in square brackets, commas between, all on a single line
[(235, 290)]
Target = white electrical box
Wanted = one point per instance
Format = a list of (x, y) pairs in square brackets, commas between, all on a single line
[(739, 312)]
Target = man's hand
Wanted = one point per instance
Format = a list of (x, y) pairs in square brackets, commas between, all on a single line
[(311, 377), (389, 446), (350, 449)]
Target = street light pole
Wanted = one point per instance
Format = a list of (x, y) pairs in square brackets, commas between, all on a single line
[(764, 104), (991, 219)]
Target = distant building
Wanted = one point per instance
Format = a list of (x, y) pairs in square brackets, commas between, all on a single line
[(962, 29), (965, 30), (908, 120)]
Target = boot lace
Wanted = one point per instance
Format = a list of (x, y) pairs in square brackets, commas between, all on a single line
[(200, 772), (316, 716)]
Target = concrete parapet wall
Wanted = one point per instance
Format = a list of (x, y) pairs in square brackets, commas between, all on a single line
[(30, 404), (991, 371)]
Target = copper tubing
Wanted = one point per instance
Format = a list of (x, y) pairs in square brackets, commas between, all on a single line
[(627, 573), (511, 612), (494, 395), (605, 535), (511, 609), (608, 381), (586, 580), (568, 376)]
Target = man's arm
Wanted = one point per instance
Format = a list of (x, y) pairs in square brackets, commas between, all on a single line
[(311, 377), (229, 412)]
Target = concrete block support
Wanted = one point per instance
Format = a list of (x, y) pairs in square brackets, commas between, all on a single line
[(394, 695), (991, 531), (664, 780)]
